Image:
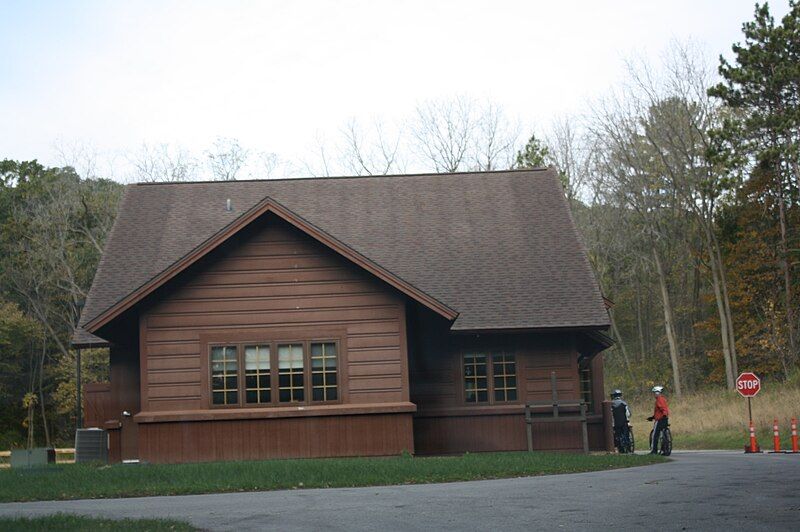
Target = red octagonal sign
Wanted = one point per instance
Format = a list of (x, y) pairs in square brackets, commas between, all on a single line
[(748, 384)]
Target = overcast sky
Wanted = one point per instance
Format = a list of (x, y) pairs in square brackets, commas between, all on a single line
[(276, 75)]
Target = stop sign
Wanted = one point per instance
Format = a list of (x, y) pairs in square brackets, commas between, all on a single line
[(748, 384)]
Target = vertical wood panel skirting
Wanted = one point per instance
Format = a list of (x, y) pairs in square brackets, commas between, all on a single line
[(312, 437), (460, 434)]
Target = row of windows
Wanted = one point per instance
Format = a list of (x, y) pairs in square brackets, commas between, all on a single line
[(245, 373), (488, 378), (493, 379)]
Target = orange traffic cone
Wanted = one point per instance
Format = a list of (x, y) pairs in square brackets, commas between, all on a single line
[(753, 447), (794, 435), (776, 437)]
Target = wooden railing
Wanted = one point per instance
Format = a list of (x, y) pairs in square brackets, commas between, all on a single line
[(557, 416)]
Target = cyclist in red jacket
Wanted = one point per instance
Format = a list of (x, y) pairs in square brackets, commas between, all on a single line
[(660, 416)]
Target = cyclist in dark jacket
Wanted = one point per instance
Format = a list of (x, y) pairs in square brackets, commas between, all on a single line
[(621, 417)]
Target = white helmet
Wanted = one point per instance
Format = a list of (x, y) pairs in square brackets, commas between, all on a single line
[(657, 389)]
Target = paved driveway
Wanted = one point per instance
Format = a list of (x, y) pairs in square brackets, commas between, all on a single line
[(696, 491)]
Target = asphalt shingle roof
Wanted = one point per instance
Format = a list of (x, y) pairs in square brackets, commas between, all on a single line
[(500, 248)]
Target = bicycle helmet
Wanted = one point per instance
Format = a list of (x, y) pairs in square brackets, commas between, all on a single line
[(616, 393), (657, 389)]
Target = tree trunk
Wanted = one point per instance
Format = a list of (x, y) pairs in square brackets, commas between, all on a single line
[(730, 376), (787, 276), (41, 395), (639, 325), (723, 280), (669, 324), (621, 344)]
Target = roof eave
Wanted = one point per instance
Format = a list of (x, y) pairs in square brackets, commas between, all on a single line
[(530, 329)]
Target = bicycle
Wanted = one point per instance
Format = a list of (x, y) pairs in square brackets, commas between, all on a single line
[(666, 441), (624, 442)]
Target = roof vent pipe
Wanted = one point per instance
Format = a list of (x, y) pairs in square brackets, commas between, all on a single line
[(228, 206)]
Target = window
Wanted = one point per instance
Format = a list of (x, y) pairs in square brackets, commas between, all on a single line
[(290, 370), (274, 373), (257, 374), (505, 377), (323, 371), (475, 382), (585, 373), (224, 375), (490, 378)]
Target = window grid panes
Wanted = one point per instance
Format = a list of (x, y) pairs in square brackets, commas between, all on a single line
[(224, 375), (323, 371), (504, 369), (475, 379), (585, 372), (257, 374), (291, 387)]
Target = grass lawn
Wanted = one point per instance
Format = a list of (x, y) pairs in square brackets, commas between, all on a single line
[(73, 522), (79, 481)]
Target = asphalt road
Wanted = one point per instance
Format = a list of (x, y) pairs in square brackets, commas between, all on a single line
[(696, 491)]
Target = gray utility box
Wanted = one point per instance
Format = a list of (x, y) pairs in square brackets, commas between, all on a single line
[(37, 457), (91, 445)]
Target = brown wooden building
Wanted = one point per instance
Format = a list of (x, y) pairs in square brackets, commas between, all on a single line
[(343, 316)]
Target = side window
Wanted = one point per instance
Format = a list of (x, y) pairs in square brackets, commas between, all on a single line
[(504, 369), (585, 372), (257, 374), (290, 373), (475, 379), (224, 375), (323, 371), (490, 378)]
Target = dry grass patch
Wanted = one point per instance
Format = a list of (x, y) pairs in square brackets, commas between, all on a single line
[(718, 418)]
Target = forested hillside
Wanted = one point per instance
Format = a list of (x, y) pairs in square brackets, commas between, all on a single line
[(683, 180)]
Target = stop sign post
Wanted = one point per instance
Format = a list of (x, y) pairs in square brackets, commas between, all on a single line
[(748, 385)]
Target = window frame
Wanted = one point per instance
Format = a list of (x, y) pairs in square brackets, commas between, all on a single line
[(489, 354), (239, 344), (587, 392)]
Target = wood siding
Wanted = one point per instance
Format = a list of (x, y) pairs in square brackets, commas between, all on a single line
[(500, 432), (446, 423), (272, 280), (98, 405), (203, 441)]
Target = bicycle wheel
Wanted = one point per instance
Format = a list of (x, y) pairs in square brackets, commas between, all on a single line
[(666, 442), (631, 442)]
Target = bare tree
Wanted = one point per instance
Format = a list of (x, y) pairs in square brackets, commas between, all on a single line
[(442, 130), (82, 157), (460, 134), (370, 154), (318, 165), (494, 139), (267, 165), (635, 182), (680, 139), (572, 152), (162, 163), (226, 159)]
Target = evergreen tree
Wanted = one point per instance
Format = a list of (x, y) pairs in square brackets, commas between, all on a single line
[(761, 135), (533, 155)]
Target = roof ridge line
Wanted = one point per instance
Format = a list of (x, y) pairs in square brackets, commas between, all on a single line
[(340, 177)]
